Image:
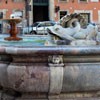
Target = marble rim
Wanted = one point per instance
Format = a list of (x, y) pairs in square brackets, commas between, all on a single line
[(61, 50)]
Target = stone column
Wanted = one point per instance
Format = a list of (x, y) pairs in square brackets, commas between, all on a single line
[(31, 13), (51, 9)]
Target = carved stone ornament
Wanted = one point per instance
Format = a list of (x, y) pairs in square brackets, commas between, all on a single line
[(55, 61)]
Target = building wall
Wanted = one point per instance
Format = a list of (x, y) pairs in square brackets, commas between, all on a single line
[(71, 6), (10, 6), (75, 6), (7, 8)]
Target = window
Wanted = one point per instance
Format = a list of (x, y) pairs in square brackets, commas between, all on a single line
[(41, 25), (17, 13), (49, 24), (17, 0), (40, 2), (1, 15), (94, 0), (63, 0), (86, 16), (83, 0), (63, 13)]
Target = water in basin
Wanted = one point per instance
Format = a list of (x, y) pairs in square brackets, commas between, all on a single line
[(33, 40)]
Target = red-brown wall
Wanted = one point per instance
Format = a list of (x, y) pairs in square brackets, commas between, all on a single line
[(72, 6), (10, 6)]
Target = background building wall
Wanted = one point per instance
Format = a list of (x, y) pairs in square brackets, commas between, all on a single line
[(70, 7), (7, 7), (74, 5), (10, 6)]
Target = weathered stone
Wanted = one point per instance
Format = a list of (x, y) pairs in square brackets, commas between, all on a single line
[(56, 97), (30, 99), (7, 97), (29, 59), (56, 80), (82, 59), (82, 99), (81, 77), (6, 58), (0, 95), (11, 50), (34, 95), (2, 50), (28, 78), (31, 72), (3, 74), (61, 50)]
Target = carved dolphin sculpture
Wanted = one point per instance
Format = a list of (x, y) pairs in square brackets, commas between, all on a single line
[(74, 32), (88, 33), (65, 33)]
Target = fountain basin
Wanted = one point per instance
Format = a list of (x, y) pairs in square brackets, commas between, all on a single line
[(30, 70), (45, 71)]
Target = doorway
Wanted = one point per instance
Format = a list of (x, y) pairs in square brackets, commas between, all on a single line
[(40, 13), (40, 10)]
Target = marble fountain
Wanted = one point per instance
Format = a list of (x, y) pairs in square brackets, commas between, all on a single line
[(66, 67)]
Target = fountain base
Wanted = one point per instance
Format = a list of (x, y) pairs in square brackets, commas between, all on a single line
[(13, 38), (12, 95)]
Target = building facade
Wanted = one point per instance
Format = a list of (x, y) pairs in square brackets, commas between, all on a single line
[(90, 9), (7, 7), (42, 10), (55, 9)]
